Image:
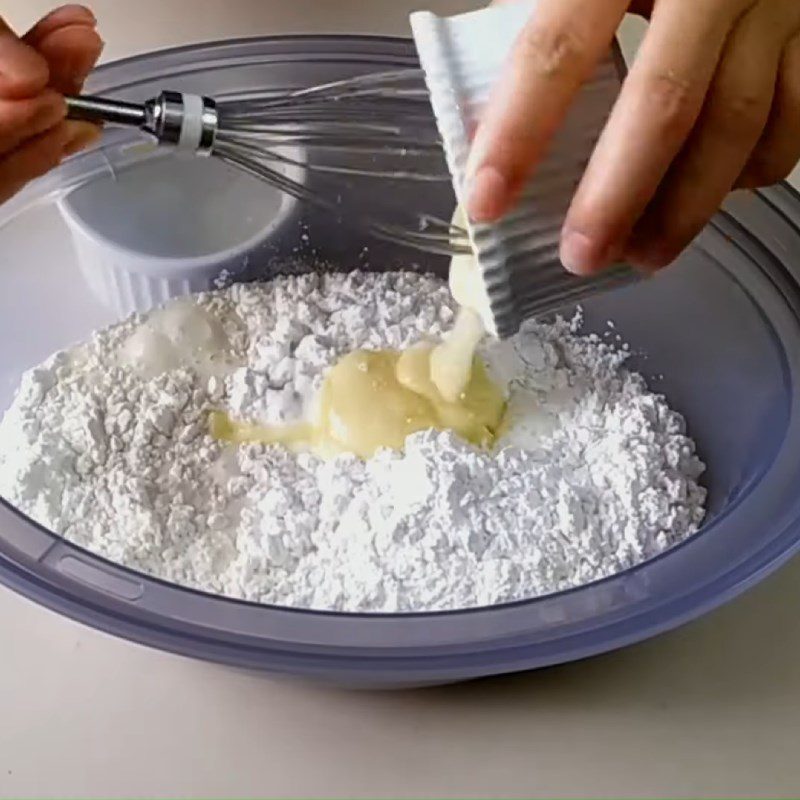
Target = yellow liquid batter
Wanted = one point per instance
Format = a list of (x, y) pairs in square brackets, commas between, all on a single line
[(223, 428), (451, 362), (374, 399)]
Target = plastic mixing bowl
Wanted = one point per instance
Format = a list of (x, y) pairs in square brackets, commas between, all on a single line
[(722, 327)]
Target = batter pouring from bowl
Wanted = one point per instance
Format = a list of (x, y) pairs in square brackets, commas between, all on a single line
[(712, 103)]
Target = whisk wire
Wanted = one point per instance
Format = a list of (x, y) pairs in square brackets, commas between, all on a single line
[(376, 125), (317, 144), (432, 234)]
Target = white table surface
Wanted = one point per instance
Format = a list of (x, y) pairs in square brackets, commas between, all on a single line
[(712, 709)]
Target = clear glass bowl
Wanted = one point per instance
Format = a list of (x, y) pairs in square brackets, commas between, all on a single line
[(722, 327)]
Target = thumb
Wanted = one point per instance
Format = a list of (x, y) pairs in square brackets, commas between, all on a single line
[(68, 41)]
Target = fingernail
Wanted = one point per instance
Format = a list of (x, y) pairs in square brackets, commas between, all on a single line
[(487, 193), (581, 255), (79, 11)]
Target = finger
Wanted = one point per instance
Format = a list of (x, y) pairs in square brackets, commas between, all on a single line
[(778, 151), (62, 17), (71, 53), (732, 120), (659, 104), (32, 160), (70, 44), (80, 136), (24, 119), (23, 72), (555, 53)]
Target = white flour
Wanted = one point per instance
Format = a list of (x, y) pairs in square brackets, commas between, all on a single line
[(106, 444)]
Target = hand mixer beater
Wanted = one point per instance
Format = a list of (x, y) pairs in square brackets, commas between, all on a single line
[(377, 125)]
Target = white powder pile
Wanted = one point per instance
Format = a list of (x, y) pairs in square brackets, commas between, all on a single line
[(107, 445)]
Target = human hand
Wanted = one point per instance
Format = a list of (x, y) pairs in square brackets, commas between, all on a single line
[(36, 71), (712, 103)]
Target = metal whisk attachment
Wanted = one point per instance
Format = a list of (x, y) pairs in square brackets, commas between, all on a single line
[(377, 125)]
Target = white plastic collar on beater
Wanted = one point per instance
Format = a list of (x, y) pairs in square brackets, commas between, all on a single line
[(192, 125)]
